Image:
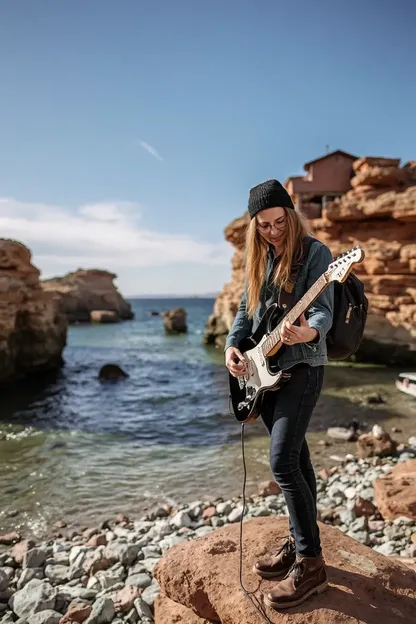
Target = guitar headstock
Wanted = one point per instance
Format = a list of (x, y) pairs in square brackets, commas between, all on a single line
[(339, 269)]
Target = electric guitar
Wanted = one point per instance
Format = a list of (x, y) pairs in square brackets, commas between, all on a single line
[(247, 391)]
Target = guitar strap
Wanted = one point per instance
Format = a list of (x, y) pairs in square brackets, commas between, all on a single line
[(286, 297), (286, 301)]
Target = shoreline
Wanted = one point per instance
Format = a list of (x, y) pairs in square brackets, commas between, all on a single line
[(27, 488), (108, 568), (65, 528)]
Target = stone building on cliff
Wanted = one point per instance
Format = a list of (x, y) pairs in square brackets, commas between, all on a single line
[(379, 213), (327, 178)]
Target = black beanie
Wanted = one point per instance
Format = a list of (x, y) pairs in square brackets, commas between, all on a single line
[(269, 194)]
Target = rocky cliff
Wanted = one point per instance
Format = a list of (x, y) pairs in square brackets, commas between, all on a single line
[(85, 291), (227, 302), (379, 213), (32, 329)]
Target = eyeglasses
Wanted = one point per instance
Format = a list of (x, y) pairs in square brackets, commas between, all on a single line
[(279, 224)]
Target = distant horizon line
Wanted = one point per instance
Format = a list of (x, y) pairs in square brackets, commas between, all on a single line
[(173, 296)]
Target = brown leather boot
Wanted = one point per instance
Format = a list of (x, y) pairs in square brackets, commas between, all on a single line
[(279, 564), (306, 578)]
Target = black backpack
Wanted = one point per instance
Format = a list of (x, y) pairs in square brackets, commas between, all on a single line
[(349, 318), (349, 314)]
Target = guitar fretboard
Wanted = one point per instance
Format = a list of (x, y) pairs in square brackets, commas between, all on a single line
[(293, 314)]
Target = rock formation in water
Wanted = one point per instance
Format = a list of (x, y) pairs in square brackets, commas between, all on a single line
[(87, 291), (203, 576), (104, 316), (379, 213), (175, 321), (111, 372), (32, 328)]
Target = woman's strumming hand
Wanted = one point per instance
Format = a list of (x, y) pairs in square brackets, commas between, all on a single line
[(234, 361)]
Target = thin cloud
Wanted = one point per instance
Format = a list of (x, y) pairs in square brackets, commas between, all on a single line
[(106, 235), (151, 150)]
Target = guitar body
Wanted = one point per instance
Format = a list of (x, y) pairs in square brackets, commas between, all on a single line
[(246, 393)]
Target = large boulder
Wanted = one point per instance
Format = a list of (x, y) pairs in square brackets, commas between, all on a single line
[(365, 587), (32, 329), (175, 321), (84, 291), (169, 612), (395, 492)]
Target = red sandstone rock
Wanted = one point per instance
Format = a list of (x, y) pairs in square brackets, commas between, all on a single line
[(327, 515), (95, 563), (19, 550), (88, 533), (367, 162), (227, 302), (10, 538), (324, 474), (32, 332), (409, 562), (395, 493), (209, 512), (380, 176), (370, 446), (364, 507), (267, 488), (81, 292), (124, 599), (76, 614), (97, 540), (365, 586), (169, 612)]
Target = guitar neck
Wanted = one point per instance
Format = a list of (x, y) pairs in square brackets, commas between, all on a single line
[(293, 314)]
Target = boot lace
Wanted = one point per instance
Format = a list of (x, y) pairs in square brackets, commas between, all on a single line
[(296, 571), (287, 548)]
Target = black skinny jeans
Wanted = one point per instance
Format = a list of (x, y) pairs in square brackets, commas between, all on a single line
[(286, 414)]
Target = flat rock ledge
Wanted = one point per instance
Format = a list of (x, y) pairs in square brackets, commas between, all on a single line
[(365, 587)]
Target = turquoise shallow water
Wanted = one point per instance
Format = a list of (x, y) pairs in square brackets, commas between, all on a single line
[(81, 450)]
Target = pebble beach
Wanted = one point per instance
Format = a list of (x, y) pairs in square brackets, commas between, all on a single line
[(103, 574)]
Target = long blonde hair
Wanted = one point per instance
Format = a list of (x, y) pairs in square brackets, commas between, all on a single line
[(256, 257)]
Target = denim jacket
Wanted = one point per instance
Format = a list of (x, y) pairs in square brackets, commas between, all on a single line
[(319, 314)]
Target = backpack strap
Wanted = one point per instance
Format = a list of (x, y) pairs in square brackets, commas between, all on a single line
[(286, 297)]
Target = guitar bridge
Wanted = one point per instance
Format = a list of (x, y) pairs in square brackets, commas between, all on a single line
[(249, 397)]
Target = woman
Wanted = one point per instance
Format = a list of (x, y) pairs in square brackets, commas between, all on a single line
[(274, 246)]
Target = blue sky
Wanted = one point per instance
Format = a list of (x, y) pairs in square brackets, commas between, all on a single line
[(131, 131)]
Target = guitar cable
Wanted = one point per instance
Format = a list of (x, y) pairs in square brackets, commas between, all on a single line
[(249, 594)]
